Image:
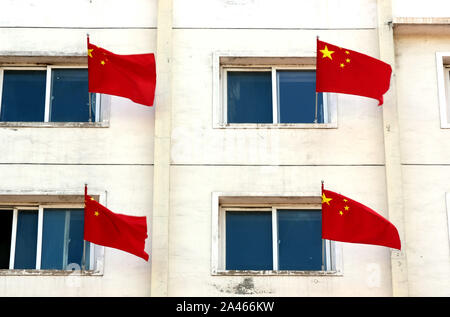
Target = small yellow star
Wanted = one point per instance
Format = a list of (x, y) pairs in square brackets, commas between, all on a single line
[(340, 212), (325, 199), (342, 65), (326, 52), (90, 52), (348, 60), (345, 200), (346, 207), (102, 62), (347, 52), (96, 213)]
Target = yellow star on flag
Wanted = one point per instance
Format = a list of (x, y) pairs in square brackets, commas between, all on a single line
[(326, 52), (96, 213), (90, 52), (325, 199)]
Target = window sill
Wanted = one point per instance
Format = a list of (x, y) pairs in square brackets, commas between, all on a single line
[(276, 126), (49, 273), (275, 273), (54, 124)]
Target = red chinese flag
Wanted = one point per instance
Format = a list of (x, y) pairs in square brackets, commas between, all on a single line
[(129, 76), (123, 232), (346, 220), (345, 71)]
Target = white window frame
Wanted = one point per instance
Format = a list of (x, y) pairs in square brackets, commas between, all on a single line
[(443, 80), (332, 249), (96, 255), (101, 118), (220, 96), (447, 203)]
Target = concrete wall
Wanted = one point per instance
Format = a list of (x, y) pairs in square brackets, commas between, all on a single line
[(420, 9), (425, 157), (366, 269), (116, 159), (205, 159), (128, 191)]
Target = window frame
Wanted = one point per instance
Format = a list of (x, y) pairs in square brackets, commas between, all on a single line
[(96, 255), (275, 95), (447, 205), (443, 83), (274, 64), (332, 250), (447, 91), (101, 107)]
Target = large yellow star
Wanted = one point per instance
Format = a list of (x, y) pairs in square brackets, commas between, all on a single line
[(325, 199), (326, 52), (90, 52)]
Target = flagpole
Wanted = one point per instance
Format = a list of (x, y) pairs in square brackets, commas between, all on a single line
[(83, 258), (315, 116), (323, 245), (89, 94), (90, 108)]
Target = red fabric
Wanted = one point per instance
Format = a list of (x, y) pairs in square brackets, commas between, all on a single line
[(345, 71), (129, 76), (346, 220), (123, 232)]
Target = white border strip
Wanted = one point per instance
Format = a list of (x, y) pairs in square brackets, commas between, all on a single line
[(443, 107)]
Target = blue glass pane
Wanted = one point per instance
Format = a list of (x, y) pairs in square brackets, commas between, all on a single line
[(69, 96), (62, 239), (53, 239), (6, 217), (23, 95), (249, 241), (300, 240), (249, 97), (26, 240), (297, 97), (75, 246)]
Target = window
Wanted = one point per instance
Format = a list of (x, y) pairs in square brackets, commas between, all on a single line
[(278, 239), (272, 234), (47, 94), (269, 92), (45, 236), (61, 241), (443, 79), (250, 96)]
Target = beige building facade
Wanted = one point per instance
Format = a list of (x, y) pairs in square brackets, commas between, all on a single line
[(186, 165)]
